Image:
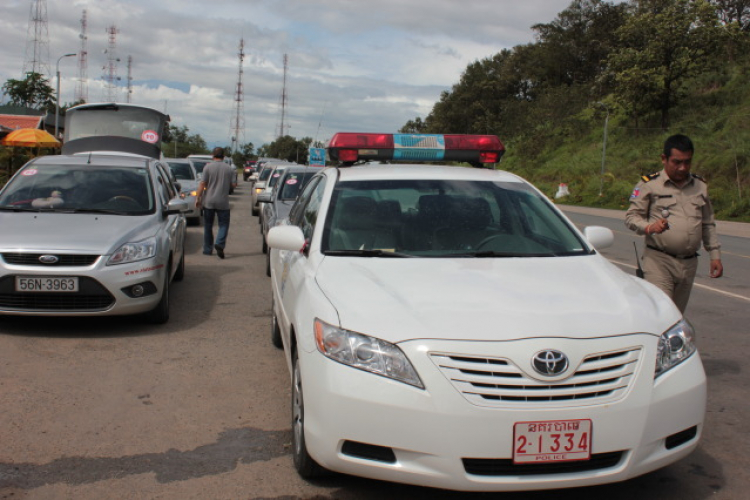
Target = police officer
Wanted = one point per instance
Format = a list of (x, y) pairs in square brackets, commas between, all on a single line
[(673, 210)]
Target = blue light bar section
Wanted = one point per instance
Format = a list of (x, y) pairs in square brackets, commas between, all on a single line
[(418, 147)]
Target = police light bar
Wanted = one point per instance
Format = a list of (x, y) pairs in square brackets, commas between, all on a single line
[(349, 147)]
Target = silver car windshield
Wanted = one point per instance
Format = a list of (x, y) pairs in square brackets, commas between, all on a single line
[(445, 218), (181, 171), (77, 188)]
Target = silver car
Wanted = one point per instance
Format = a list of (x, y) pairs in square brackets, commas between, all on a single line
[(186, 176), (90, 235)]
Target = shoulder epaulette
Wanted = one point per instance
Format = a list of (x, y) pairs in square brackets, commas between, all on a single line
[(696, 176), (650, 177)]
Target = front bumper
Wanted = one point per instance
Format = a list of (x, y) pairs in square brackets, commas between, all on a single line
[(446, 437), (103, 290)]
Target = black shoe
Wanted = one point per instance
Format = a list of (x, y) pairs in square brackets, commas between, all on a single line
[(219, 251)]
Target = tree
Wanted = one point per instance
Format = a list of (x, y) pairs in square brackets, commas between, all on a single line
[(239, 158), (664, 43), (33, 92), (287, 148), (178, 142)]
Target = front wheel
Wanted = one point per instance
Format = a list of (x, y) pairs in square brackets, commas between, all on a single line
[(303, 462), (160, 314)]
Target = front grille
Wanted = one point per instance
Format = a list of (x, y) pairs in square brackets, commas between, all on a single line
[(506, 467), (92, 296), (32, 259), (486, 381)]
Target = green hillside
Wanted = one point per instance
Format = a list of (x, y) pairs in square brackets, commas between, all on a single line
[(646, 68)]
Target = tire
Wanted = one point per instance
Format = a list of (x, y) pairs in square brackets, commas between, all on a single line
[(160, 314), (275, 331), (303, 462), (179, 274)]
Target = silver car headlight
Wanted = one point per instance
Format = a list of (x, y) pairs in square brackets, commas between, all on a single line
[(675, 346), (365, 353), (133, 252)]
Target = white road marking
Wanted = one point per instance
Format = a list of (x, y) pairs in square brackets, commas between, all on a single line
[(709, 288)]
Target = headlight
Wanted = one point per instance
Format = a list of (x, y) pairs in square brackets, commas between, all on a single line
[(132, 252), (675, 346), (366, 353)]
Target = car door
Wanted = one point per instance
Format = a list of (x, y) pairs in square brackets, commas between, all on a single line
[(294, 273), (172, 235)]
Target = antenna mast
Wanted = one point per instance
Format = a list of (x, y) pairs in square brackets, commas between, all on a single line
[(282, 129), (37, 40), (238, 121), (110, 69), (82, 87)]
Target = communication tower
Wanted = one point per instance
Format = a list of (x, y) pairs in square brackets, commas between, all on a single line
[(283, 127), (37, 41), (110, 69), (238, 120), (82, 85), (129, 90)]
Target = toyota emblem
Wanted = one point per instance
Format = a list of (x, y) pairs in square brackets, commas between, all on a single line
[(49, 259), (550, 362)]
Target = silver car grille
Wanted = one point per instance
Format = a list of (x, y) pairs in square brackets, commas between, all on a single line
[(32, 259), (600, 378)]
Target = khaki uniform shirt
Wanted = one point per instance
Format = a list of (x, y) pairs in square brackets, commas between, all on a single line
[(687, 209)]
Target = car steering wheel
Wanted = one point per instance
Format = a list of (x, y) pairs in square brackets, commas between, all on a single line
[(488, 240)]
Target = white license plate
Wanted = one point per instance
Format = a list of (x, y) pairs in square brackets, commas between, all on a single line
[(551, 441), (46, 284)]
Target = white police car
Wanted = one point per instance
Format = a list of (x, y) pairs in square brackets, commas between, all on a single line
[(449, 327)]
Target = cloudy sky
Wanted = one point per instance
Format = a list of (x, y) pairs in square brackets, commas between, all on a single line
[(355, 65)]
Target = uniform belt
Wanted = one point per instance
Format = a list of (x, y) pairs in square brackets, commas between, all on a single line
[(681, 257)]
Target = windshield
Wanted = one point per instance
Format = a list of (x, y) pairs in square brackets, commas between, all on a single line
[(200, 164), (132, 122), (445, 218), (265, 173), (181, 171), (73, 188), (293, 183)]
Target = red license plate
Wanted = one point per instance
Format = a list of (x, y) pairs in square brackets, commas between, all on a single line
[(551, 441)]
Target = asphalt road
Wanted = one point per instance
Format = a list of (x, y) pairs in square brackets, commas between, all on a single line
[(199, 408)]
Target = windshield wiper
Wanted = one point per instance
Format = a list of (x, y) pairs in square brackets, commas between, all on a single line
[(488, 253), (366, 253), (95, 211)]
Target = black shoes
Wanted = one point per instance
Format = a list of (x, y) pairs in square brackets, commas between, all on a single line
[(219, 251)]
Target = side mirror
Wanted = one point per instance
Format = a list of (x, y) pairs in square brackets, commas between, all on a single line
[(265, 197), (176, 206), (599, 237), (286, 238)]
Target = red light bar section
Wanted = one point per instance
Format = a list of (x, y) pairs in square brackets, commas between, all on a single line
[(348, 140)]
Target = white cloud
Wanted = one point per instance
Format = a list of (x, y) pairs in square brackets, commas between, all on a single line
[(353, 65)]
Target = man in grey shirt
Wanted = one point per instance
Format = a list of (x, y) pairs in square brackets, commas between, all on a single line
[(213, 196)]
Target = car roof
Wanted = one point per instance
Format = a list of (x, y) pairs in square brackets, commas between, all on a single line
[(94, 159), (423, 172)]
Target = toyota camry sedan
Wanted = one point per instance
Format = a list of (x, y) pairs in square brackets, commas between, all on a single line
[(90, 235), (449, 327)]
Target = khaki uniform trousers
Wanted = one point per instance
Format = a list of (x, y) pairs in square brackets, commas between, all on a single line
[(672, 275)]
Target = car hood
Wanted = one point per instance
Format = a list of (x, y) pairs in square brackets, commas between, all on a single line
[(491, 298), (61, 232)]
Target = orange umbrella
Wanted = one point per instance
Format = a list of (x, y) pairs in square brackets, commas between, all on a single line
[(30, 137)]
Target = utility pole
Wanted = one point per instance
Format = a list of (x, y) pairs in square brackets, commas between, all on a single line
[(110, 69), (238, 120), (37, 40), (82, 86), (282, 129)]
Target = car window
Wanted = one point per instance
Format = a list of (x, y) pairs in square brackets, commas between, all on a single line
[(123, 190), (445, 217), (292, 184), (181, 171), (296, 211)]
